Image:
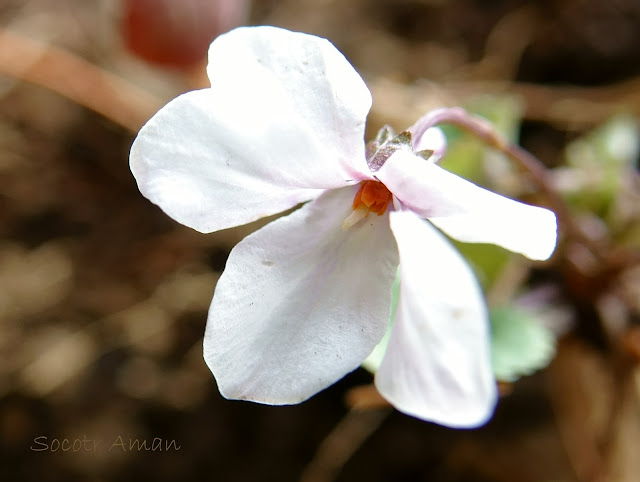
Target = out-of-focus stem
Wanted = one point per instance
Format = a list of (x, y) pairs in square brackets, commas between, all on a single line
[(341, 443), (76, 79)]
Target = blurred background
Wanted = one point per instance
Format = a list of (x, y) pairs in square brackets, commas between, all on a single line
[(103, 298)]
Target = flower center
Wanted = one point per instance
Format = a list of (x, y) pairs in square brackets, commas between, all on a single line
[(373, 196)]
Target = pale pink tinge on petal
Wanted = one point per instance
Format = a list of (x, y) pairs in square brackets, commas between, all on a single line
[(466, 211), (437, 366)]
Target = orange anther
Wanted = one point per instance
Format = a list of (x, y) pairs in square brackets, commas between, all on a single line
[(374, 196)]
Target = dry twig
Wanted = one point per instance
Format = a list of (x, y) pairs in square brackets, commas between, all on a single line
[(76, 79)]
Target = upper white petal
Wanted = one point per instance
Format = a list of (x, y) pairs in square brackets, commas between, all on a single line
[(437, 366), (301, 302), (300, 92), (468, 212), (284, 119)]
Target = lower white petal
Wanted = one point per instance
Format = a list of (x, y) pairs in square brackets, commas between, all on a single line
[(437, 366), (301, 302), (468, 212)]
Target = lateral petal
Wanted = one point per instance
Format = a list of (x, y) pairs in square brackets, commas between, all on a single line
[(468, 212), (301, 302), (437, 366)]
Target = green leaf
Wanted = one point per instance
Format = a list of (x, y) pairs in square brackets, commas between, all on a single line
[(612, 145), (465, 157), (488, 260), (373, 361), (466, 154), (520, 345), (503, 111)]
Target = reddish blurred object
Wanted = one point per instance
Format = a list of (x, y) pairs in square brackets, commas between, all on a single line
[(177, 33), (631, 342)]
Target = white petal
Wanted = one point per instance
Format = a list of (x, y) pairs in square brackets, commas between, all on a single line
[(468, 212), (299, 93), (200, 180), (301, 302), (433, 140), (284, 119), (438, 365)]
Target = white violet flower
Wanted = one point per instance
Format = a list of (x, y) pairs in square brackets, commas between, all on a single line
[(305, 299)]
